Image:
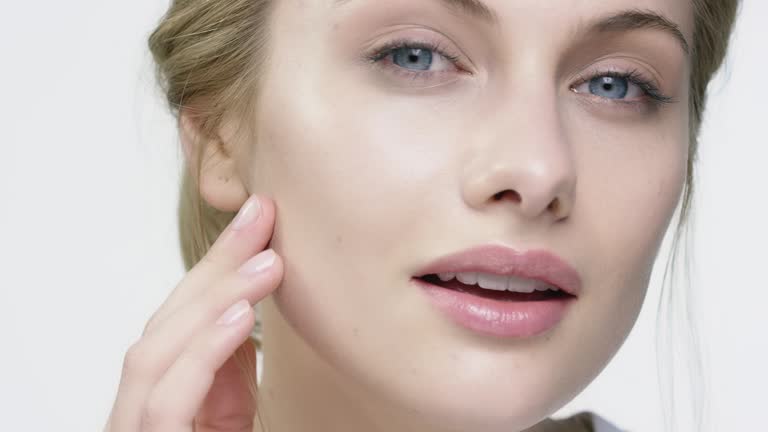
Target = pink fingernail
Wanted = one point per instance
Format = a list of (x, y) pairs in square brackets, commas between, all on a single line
[(235, 313), (249, 212), (258, 263)]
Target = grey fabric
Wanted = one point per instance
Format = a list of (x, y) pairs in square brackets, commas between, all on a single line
[(580, 422), (585, 421), (603, 425)]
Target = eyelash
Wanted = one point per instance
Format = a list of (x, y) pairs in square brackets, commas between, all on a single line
[(633, 76), (390, 47), (650, 90)]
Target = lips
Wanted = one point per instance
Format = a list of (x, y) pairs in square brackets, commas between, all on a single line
[(539, 265), (516, 312)]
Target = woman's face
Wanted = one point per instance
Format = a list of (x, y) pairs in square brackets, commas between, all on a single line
[(386, 128)]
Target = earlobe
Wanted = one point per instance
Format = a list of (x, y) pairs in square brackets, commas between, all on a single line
[(220, 183)]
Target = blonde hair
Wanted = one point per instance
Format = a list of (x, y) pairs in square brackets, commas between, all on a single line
[(209, 55)]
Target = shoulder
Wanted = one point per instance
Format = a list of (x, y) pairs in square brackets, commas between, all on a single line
[(599, 424), (585, 421)]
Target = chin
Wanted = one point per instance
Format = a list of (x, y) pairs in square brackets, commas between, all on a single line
[(484, 404), (457, 381)]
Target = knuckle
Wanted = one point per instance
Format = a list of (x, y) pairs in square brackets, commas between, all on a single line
[(212, 257), (150, 324), (208, 260), (135, 361)]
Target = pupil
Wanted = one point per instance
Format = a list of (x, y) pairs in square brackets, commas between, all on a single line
[(412, 58), (609, 87)]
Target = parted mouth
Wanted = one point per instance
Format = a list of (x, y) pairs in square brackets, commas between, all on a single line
[(505, 288), (501, 269)]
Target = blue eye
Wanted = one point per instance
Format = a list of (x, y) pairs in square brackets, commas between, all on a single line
[(417, 60), (412, 58), (622, 87), (609, 87)]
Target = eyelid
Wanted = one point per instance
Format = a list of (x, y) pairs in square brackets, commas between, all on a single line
[(423, 38), (388, 47), (377, 58), (646, 82)]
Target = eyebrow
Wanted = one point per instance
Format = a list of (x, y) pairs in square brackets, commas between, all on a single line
[(631, 19), (642, 19), (474, 8)]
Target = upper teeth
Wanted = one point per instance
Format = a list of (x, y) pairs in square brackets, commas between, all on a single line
[(498, 282)]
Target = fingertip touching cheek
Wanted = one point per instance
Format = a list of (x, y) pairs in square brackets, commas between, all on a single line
[(392, 133)]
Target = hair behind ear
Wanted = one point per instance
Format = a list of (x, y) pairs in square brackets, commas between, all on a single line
[(199, 223)]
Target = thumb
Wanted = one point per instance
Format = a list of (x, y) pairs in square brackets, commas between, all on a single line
[(230, 405)]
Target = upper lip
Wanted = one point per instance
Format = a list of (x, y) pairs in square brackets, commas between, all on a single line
[(535, 264)]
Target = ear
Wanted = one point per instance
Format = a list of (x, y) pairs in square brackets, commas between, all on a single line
[(221, 185)]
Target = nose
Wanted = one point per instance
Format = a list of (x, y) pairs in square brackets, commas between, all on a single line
[(525, 164)]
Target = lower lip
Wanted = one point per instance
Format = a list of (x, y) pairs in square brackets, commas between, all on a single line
[(509, 319)]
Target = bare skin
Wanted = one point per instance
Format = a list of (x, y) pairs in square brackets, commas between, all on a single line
[(180, 375), (378, 169)]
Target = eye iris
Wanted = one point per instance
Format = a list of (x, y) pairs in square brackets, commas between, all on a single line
[(610, 87), (412, 58)]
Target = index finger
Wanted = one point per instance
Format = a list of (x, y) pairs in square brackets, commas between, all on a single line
[(247, 234)]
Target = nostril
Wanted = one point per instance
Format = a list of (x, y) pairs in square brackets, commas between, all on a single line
[(554, 206), (514, 195)]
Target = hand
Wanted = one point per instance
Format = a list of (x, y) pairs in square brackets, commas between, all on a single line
[(181, 376)]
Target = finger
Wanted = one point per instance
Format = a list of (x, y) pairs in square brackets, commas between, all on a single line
[(229, 399), (247, 234), (173, 403), (148, 359)]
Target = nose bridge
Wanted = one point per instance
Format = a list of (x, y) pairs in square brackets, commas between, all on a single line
[(522, 153)]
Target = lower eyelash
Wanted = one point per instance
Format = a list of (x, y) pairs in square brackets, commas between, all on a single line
[(634, 77), (378, 55), (388, 48)]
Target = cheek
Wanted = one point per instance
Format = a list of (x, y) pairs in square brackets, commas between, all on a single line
[(348, 182), (630, 182), (350, 166), (339, 173)]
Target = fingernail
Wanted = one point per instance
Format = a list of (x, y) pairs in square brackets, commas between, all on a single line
[(258, 263), (234, 313), (249, 212)]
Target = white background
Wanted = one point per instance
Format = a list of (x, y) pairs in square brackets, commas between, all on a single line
[(88, 191)]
